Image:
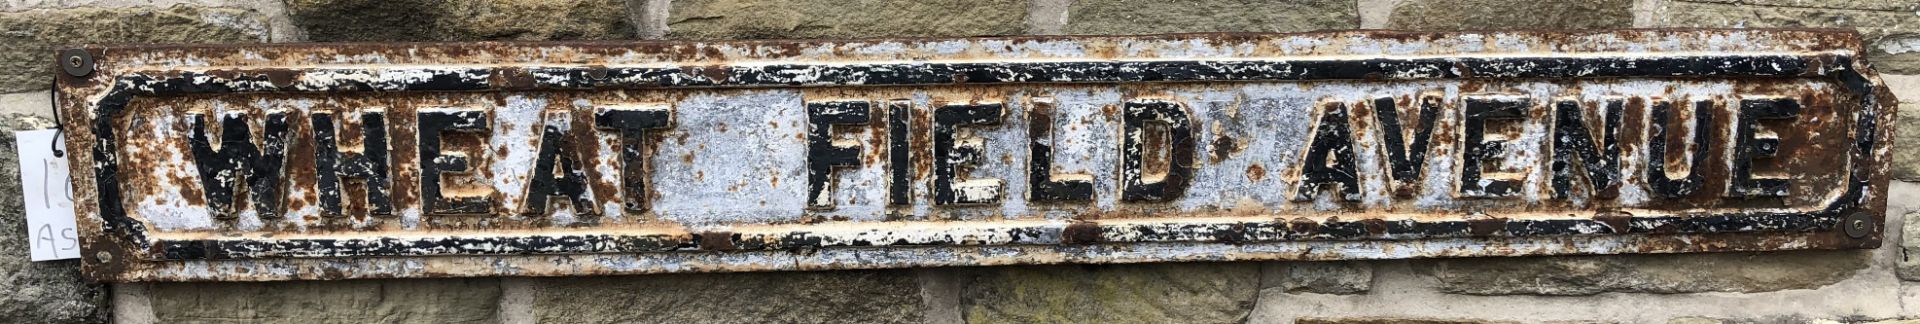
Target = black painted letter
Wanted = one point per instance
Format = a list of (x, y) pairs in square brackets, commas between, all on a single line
[(1329, 158), (899, 157), (556, 147), (632, 123), (238, 160), (434, 163), (1136, 186), (1407, 160), (950, 154), (1571, 138), (1042, 183), (1749, 146), (330, 163), (1657, 177), (1478, 151), (264, 191), (823, 153)]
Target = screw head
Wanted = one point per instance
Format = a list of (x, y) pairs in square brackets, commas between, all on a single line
[(103, 256), (76, 62), (1857, 225)]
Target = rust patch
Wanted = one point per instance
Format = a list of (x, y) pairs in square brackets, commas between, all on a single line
[(1223, 147), (1617, 222), (717, 241), (1486, 226), (1082, 233)]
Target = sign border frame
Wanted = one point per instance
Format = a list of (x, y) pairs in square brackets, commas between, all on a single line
[(118, 241)]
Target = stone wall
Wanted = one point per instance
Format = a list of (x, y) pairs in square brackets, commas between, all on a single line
[(1845, 286)]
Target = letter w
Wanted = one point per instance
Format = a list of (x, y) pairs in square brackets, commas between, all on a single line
[(238, 160)]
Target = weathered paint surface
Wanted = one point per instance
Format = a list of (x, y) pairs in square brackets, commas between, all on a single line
[(206, 163)]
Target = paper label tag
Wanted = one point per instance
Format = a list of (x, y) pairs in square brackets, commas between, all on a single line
[(49, 201)]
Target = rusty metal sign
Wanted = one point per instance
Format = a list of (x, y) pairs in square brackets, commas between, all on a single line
[(334, 161)]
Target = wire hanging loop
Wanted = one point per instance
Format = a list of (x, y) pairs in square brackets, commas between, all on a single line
[(53, 97)]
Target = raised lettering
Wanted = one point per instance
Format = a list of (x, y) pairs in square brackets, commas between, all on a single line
[(1138, 116), (899, 157), (237, 160), (435, 163), (332, 164), (1665, 185), (824, 154), (1751, 144), (1571, 138), (1407, 161), (1329, 158), (632, 123), (1480, 151), (569, 180), (1044, 185), (951, 154)]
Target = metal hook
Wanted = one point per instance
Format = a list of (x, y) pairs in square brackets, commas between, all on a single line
[(53, 96)]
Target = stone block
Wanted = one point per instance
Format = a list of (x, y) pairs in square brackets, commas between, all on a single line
[(1506, 14), (32, 36), (1906, 145), (1908, 266), (1890, 27), (1320, 277), (1889, 321), (433, 20), (1394, 320), (1647, 273), (745, 19), (1878, 5), (1906, 129), (1126, 293), (1695, 320), (1114, 17), (36, 292), (345, 301), (891, 296)]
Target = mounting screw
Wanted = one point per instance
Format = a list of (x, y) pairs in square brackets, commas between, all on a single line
[(76, 62), (103, 256), (1857, 225)]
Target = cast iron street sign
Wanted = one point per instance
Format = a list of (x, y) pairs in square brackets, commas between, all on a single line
[(329, 161)]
